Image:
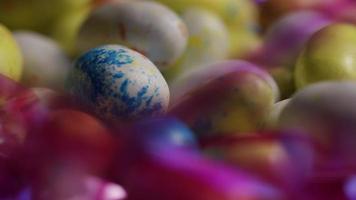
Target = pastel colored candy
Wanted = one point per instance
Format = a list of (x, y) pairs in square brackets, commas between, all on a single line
[(208, 37), (326, 113), (239, 16), (286, 38), (195, 177), (164, 133), (65, 29), (10, 55), (45, 63), (328, 55), (228, 97), (236, 14), (119, 83), (283, 43), (148, 27), (283, 158), (71, 139), (208, 41), (36, 15)]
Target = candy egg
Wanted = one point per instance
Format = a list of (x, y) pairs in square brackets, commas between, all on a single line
[(282, 158), (235, 13), (10, 55), (195, 177), (45, 63), (326, 112), (66, 28), (283, 43), (239, 16), (161, 133), (74, 139), (148, 27), (208, 40), (208, 37), (231, 96), (328, 55), (292, 28), (119, 83), (37, 15)]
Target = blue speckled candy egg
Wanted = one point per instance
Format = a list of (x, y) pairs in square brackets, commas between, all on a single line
[(119, 83)]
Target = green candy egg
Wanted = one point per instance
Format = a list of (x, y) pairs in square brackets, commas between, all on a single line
[(10, 55), (329, 55)]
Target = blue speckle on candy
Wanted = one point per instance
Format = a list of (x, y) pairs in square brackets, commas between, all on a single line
[(99, 78), (117, 57)]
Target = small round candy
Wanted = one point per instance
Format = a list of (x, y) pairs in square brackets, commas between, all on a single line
[(208, 40), (280, 56), (148, 27), (35, 15), (45, 63), (178, 175), (165, 133), (229, 97), (282, 158), (326, 112), (291, 28), (239, 16), (66, 28), (328, 55), (119, 83), (10, 55), (208, 37)]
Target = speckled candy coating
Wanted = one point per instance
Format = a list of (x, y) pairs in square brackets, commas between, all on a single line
[(148, 27), (119, 83)]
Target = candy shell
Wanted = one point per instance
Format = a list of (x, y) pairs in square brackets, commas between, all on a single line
[(10, 55), (328, 55), (148, 27), (283, 158), (326, 113), (36, 15), (232, 96), (195, 177), (239, 16), (119, 83), (208, 41), (283, 43), (164, 133), (66, 28), (45, 63)]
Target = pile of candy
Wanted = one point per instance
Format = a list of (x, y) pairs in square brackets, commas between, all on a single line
[(177, 100)]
